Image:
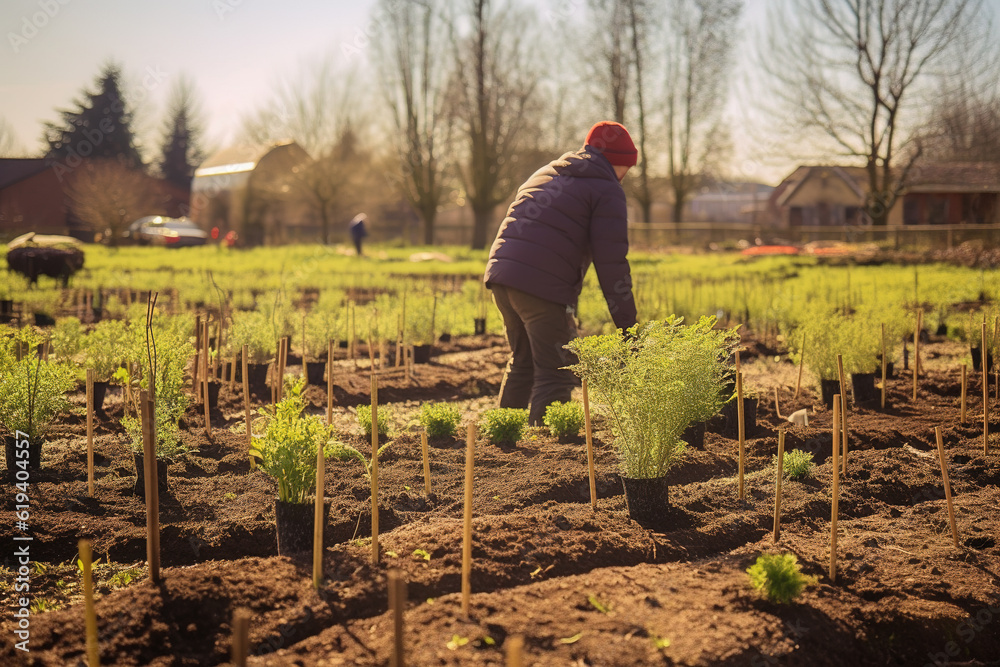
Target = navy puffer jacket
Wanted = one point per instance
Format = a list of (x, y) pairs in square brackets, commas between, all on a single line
[(569, 213)]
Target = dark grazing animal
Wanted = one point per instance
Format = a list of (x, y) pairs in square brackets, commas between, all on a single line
[(39, 261)]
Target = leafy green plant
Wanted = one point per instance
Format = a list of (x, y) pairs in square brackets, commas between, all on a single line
[(796, 464), (32, 390), (342, 451), (564, 419), (439, 419), (67, 337), (653, 383), (779, 577), (288, 445), (503, 425), (153, 349), (103, 347), (253, 329), (365, 420)]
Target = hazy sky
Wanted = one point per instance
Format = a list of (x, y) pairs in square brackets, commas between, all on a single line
[(234, 50)]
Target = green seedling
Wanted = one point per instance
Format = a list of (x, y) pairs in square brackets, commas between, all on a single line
[(571, 640), (596, 603), (503, 426), (779, 577), (421, 554), (797, 464), (565, 420), (439, 419), (457, 642)]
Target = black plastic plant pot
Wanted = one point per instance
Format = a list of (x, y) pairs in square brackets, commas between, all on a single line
[(694, 435), (214, 388), (444, 338), (295, 523), (100, 393), (316, 373), (22, 467), (732, 418), (647, 500), (863, 385), (829, 389), (421, 354), (44, 320), (977, 358), (139, 488), (480, 325), (257, 378)]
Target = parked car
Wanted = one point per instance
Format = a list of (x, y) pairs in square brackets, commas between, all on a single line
[(163, 231)]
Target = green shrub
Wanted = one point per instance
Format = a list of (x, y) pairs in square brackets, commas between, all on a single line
[(32, 391), (439, 419), (365, 420), (67, 337), (779, 577), (503, 425), (169, 351), (103, 347), (564, 419), (288, 446), (653, 384), (796, 464)]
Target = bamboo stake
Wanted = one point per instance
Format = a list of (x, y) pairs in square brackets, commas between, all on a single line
[(427, 462), (397, 605), (241, 636), (965, 373), (434, 306), (916, 352), (588, 430), (152, 488), (843, 409), (802, 359), (318, 519), (246, 403), (331, 346), (207, 401), (470, 448), (90, 613), (374, 470), (986, 396), (232, 371), (884, 367), (947, 484), (739, 414), (90, 432), (196, 386), (513, 648), (777, 489), (777, 406), (352, 340), (399, 340), (836, 488), (286, 344)]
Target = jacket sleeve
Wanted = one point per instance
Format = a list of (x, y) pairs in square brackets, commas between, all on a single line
[(609, 250)]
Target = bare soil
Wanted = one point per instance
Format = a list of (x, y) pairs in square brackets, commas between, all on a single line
[(582, 587)]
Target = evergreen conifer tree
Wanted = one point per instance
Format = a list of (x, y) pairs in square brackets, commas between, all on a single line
[(99, 128), (181, 152)]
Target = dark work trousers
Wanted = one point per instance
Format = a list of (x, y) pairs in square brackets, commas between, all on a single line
[(536, 330)]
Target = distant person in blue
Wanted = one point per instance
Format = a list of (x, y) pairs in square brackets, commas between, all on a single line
[(358, 231)]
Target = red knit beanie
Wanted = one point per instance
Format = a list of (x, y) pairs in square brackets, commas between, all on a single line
[(612, 140)]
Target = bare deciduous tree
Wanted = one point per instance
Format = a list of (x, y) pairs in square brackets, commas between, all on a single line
[(314, 109), (494, 89), (109, 195), (698, 48), (414, 72), (854, 71)]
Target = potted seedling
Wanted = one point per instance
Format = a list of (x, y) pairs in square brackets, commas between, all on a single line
[(285, 445), (322, 326), (159, 353), (652, 384), (32, 393), (253, 329), (861, 357), (823, 332), (103, 347)]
